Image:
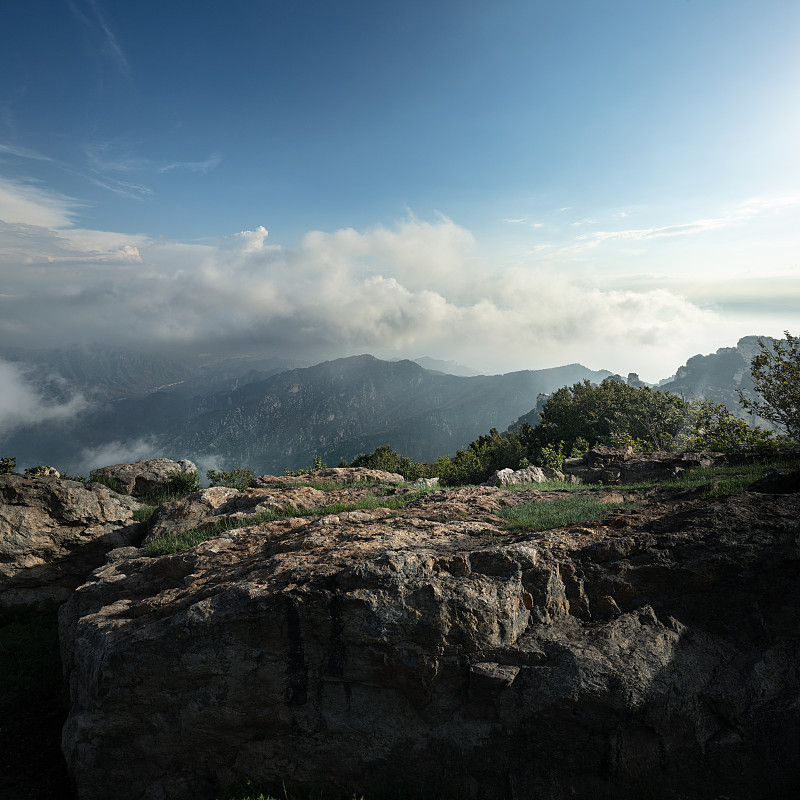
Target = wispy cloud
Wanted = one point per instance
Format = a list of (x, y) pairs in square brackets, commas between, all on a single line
[(96, 21), (28, 202), (22, 152), (203, 167), (744, 212), (110, 159)]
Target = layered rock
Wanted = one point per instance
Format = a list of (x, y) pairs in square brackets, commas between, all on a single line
[(145, 477), (512, 477), (53, 533), (653, 653), (610, 465)]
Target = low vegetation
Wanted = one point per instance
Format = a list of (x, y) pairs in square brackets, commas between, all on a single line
[(185, 540), (544, 515)]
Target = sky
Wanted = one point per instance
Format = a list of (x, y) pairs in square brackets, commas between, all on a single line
[(511, 185)]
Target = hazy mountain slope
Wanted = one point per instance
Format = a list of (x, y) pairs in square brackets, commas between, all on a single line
[(719, 376), (448, 367), (336, 409), (343, 407), (98, 371)]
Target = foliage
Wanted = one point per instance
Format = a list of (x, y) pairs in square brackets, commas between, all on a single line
[(316, 465), (544, 515), (249, 789), (181, 484), (143, 513), (238, 478), (711, 426), (613, 412), (387, 459), (7, 465), (776, 376), (95, 476), (78, 478)]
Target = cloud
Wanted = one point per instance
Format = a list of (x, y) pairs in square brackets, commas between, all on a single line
[(95, 20), (22, 152), (27, 202), (744, 212), (22, 403), (418, 285), (120, 452), (203, 167)]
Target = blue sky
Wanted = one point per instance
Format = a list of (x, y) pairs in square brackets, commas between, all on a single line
[(510, 184)]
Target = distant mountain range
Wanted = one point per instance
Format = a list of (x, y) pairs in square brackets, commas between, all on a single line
[(268, 414)]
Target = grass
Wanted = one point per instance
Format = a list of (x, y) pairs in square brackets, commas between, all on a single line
[(185, 540), (248, 789), (542, 516)]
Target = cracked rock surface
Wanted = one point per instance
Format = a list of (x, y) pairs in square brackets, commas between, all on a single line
[(431, 652)]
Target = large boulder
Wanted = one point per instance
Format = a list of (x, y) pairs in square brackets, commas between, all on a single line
[(53, 533), (514, 477), (654, 655), (611, 465), (214, 505), (144, 477)]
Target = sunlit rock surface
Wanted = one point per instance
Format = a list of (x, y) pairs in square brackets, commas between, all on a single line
[(433, 654)]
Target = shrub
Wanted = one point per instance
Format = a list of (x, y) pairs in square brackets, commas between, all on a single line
[(316, 464), (181, 483), (776, 377), (7, 465), (235, 479)]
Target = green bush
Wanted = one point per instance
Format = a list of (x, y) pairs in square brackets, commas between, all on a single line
[(181, 483), (776, 377), (316, 464), (7, 465), (235, 479)]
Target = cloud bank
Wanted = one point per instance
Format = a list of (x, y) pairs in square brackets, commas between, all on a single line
[(22, 403), (416, 287)]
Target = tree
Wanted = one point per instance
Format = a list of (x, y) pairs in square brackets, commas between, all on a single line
[(609, 413), (776, 377)]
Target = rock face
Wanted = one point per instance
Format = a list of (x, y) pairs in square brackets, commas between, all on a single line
[(611, 465), (145, 477), (53, 533), (511, 477), (654, 654)]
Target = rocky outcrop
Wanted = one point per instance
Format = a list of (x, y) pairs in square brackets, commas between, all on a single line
[(343, 475), (651, 654), (610, 465), (210, 506), (144, 477), (53, 533), (512, 477)]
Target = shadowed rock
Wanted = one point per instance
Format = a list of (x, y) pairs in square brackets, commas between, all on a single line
[(145, 477), (53, 533), (654, 652)]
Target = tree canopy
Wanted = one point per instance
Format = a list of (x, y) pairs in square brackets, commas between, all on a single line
[(776, 376)]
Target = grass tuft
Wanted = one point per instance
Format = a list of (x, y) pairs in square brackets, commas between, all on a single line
[(547, 514)]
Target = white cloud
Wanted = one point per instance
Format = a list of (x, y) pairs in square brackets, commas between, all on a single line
[(120, 452), (419, 285), (21, 403), (25, 202), (744, 212)]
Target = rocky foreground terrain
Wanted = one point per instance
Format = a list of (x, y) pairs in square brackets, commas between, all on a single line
[(426, 650)]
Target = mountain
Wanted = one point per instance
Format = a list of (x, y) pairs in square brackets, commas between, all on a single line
[(719, 376), (448, 367), (337, 410)]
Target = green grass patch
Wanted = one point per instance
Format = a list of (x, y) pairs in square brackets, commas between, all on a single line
[(144, 513), (185, 540), (547, 514), (248, 789)]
